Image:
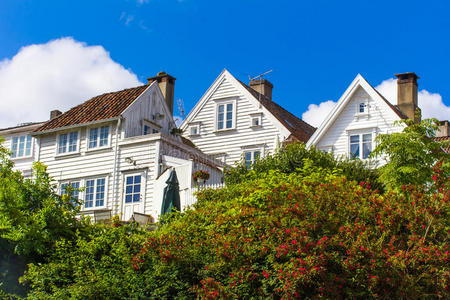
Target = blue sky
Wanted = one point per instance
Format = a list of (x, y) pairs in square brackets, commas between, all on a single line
[(315, 48)]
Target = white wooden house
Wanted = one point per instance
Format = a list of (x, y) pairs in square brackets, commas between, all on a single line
[(117, 146), (233, 121), (361, 114), (22, 145)]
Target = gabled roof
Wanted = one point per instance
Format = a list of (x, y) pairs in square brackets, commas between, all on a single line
[(297, 127), (21, 127), (102, 107), (293, 126), (359, 81)]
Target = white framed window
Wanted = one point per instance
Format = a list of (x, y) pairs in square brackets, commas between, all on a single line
[(256, 120), (95, 193), (194, 129), (98, 137), (133, 188), (68, 142), (21, 146), (225, 115), (362, 108), (251, 156), (360, 145), (75, 189)]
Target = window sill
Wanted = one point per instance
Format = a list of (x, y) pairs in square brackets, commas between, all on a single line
[(98, 149), (67, 155), (22, 157), (255, 126), (225, 130)]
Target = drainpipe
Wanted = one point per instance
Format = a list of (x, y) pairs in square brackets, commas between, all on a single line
[(116, 153)]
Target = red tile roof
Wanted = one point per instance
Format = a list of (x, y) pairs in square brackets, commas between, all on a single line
[(299, 129), (102, 107)]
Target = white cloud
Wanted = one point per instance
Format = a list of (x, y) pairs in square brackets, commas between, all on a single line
[(57, 75), (317, 113), (431, 104)]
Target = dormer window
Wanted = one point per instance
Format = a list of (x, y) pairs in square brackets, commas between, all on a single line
[(98, 137)]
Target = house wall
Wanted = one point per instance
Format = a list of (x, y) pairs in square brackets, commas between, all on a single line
[(24, 164), (147, 107), (233, 142), (380, 119)]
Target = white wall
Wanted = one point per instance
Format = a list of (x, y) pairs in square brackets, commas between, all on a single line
[(233, 142), (380, 119)]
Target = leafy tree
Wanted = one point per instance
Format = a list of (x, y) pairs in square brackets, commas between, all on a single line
[(412, 155), (32, 220), (292, 157)]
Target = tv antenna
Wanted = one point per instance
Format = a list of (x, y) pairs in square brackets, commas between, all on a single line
[(180, 105), (260, 82)]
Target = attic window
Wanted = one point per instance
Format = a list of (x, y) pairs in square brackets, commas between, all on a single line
[(194, 129), (256, 120), (362, 107)]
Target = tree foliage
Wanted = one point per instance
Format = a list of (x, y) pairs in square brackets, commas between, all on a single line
[(412, 155)]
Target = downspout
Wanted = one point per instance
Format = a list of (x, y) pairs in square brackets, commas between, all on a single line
[(116, 153)]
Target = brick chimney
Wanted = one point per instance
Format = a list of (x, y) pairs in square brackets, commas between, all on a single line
[(167, 85), (54, 114), (407, 95), (444, 129), (262, 86)]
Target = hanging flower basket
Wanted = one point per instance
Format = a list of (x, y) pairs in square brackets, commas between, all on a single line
[(200, 176)]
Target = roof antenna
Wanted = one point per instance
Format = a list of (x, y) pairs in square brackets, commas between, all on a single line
[(260, 82)]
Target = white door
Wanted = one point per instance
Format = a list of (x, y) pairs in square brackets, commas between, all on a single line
[(133, 196)]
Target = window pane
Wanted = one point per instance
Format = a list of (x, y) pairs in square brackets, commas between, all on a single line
[(248, 159), (220, 116), (100, 192), (104, 132), (21, 146), (221, 108), (146, 129), (137, 179), (136, 197), (367, 137), (129, 189), (128, 198), (62, 143), (28, 146), (137, 188), (15, 142), (229, 124), (256, 155), (354, 139), (354, 150), (229, 107), (229, 116), (89, 194), (367, 145), (220, 125), (129, 179), (361, 107), (93, 133), (73, 139)]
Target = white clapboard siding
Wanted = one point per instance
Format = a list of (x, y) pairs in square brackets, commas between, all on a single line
[(380, 119), (23, 164), (233, 142), (148, 106)]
